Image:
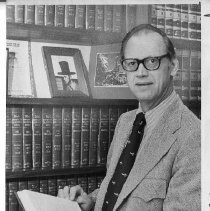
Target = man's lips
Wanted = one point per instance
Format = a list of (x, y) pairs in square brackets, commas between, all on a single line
[(143, 83)]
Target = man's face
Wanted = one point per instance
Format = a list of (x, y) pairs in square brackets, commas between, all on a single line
[(148, 86), (66, 78)]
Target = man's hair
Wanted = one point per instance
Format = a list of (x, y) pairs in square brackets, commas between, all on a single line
[(147, 28)]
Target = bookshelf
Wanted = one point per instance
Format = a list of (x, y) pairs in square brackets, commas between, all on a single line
[(83, 37)]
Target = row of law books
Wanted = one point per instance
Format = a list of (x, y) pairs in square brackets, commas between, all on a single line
[(182, 21), (187, 81), (108, 18), (59, 137), (48, 185)]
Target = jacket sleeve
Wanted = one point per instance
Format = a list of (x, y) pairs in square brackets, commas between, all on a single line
[(184, 189)]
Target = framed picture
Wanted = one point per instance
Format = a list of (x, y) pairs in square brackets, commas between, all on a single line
[(107, 77), (67, 73)]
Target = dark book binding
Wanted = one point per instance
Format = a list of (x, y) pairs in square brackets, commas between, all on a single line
[(70, 11), (130, 16), (113, 117), (8, 139), (108, 18), (29, 14), (59, 15), (117, 18), (10, 13), (13, 202), (80, 16), (43, 185), (33, 184), (52, 186), (49, 15), (39, 14), (99, 17), (57, 137), (19, 13), (90, 16)]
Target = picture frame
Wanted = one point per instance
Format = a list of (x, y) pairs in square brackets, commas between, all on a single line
[(106, 75), (66, 71)]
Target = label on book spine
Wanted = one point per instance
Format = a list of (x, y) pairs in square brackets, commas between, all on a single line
[(117, 18), (27, 138), (17, 139), (85, 135), (108, 18), (57, 138), (52, 186), (113, 117), (80, 16), (66, 137), (90, 16), (22, 184), (8, 138), (103, 136), (29, 14), (76, 137), (10, 13), (43, 185), (33, 185), (37, 137), (70, 11), (99, 18), (82, 181), (13, 202), (59, 15), (49, 15), (39, 14), (92, 184), (19, 13), (94, 126), (47, 138)]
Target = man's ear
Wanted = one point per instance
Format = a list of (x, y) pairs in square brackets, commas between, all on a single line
[(174, 66)]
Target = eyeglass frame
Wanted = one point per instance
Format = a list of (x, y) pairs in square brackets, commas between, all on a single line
[(141, 61)]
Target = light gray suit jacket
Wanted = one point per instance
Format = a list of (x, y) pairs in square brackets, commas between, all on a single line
[(166, 174)]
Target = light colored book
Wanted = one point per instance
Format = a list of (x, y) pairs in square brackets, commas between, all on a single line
[(34, 201)]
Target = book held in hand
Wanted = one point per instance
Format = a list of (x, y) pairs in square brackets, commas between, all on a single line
[(34, 201)]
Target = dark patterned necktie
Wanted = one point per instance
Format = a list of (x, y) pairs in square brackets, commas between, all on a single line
[(125, 163)]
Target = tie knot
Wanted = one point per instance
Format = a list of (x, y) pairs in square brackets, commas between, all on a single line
[(140, 120)]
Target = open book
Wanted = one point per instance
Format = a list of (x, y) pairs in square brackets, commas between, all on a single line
[(34, 201)]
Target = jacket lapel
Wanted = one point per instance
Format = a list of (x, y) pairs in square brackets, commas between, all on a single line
[(154, 149)]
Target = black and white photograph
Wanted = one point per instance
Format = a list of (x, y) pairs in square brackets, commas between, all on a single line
[(105, 105)]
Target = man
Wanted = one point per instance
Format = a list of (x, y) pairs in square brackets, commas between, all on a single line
[(166, 171)]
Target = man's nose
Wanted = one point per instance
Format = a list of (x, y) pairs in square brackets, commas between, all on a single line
[(142, 71)]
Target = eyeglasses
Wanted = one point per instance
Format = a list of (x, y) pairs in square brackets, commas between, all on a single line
[(150, 63)]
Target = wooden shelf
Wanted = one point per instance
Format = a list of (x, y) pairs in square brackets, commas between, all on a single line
[(79, 101), (61, 35), (77, 36), (55, 172)]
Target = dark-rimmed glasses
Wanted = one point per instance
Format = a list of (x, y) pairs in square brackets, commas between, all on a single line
[(150, 63)]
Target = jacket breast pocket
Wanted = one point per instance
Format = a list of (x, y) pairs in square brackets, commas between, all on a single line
[(150, 189)]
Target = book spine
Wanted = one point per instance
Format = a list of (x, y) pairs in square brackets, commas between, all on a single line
[(92, 184), (57, 138), (8, 138), (49, 15), (113, 117), (43, 185), (61, 183), (72, 181), (66, 137), (192, 22), (52, 186), (99, 180), (33, 185), (184, 21), (27, 138), (47, 138), (17, 139), (193, 75), (178, 77), (177, 21), (10, 13), (22, 185), (130, 16), (29, 14), (19, 13), (199, 75), (37, 137), (154, 15), (7, 197), (80, 16), (108, 18), (39, 14), (90, 16), (85, 135), (76, 137), (13, 203), (99, 18), (82, 181), (161, 13), (103, 136), (59, 15), (70, 11), (94, 126), (117, 18), (185, 74), (198, 20), (169, 20)]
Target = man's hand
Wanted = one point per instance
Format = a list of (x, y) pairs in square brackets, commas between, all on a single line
[(77, 194)]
